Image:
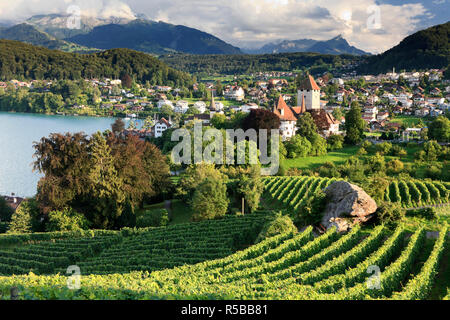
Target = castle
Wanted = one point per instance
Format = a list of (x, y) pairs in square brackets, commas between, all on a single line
[(308, 95)]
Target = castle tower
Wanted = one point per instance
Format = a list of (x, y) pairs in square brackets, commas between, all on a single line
[(310, 91)]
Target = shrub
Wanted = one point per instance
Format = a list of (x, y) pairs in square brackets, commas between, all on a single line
[(433, 172), (66, 220), (427, 213), (398, 151), (390, 213), (395, 166), (384, 148), (366, 144), (281, 224), (153, 218), (310, 211)]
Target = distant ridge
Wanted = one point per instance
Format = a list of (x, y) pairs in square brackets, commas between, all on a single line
[(154, 37), (337, 45)]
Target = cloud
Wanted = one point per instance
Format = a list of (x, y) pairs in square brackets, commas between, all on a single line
[(254, 22), (20, 10)]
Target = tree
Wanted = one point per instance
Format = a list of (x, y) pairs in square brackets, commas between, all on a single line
[(148, 123), (306, 126), (118, 126), (5, 210), (384, 148), (251, 188), (439, 129), (298, 146), (318, 146), (261, 119), (338, 114), (105, 186), (335, 142), (218, 121), (354, 125), (193, 176), (24, 219), (127, 82), (210, 200), (64, 162)]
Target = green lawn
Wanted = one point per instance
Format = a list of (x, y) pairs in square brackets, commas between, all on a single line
[(408, 121), (337, 157)]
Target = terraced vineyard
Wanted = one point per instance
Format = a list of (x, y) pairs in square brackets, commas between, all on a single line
[(416, 193), (131, 250), (287, 266), (290, 192)]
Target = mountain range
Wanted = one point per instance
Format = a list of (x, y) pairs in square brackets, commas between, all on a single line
[(154, 37), (139, 33), (337, 45), (29, 34)]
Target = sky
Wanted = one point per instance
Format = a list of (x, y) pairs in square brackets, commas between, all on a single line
[(371, 25)]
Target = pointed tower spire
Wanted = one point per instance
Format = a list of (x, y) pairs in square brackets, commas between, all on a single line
[(213, 103), (303, 105)]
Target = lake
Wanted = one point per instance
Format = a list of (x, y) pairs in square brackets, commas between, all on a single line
[(17, 133)]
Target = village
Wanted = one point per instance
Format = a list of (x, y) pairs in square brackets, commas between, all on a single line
[(392, 103)]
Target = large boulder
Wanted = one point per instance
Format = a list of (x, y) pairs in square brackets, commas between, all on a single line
[(347, 205)]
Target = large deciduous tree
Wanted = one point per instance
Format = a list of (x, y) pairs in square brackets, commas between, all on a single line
[(354, 125), (100, 177)]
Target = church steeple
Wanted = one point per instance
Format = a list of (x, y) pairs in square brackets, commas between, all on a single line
[(212, 107)]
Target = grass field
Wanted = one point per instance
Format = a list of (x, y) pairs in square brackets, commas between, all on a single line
[(408, 121), (337, 157)]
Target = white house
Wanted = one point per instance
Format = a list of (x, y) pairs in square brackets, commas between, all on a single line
[(181, 106), (235, 93), (200, 106), (248, 107), (162, 103), (161, 126)]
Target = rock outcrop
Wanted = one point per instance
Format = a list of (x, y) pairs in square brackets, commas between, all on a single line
[(347, 205)]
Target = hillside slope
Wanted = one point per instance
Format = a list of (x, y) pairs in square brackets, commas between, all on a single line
[(19, 60), (422, 50), (29, 34)]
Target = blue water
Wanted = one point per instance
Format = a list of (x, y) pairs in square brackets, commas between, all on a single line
[(17, 133)]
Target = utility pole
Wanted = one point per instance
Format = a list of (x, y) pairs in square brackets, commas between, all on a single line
[(243, 210)]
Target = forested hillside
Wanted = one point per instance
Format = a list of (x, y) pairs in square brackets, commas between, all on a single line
[(423, 50), (23, 61), (245, 64)]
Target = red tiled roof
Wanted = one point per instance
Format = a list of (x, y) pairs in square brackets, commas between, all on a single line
[(288, 114), (309, 84), (323, 119)]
